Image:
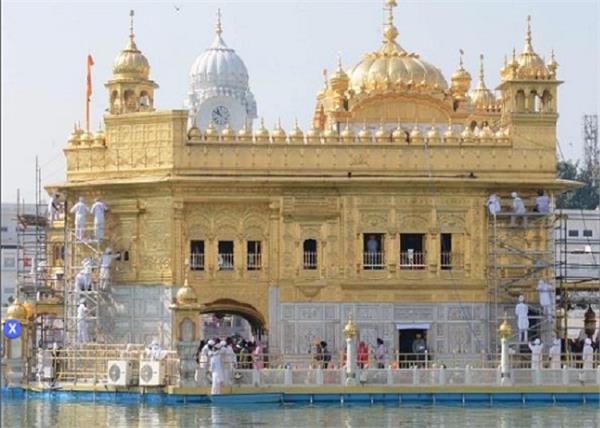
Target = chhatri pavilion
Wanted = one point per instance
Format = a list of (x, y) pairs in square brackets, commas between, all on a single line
[(375, 210)]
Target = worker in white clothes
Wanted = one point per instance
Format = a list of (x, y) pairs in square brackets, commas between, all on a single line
[(53, 207), (493, 204), (546, 297), (536, 353), (154, 351), (83, 279), (522, 313), (518, 209), (542, 203), (82, 324), (588, 355), (105, 263), (554, 353), (80, 209), (216, 368), (98, 209), (229, 360)]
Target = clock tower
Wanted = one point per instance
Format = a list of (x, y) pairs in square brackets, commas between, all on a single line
[(219, 91)]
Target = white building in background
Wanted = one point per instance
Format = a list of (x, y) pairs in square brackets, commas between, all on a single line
[(578, 245), (219, 90)]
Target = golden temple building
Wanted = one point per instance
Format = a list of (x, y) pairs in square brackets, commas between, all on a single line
[(377, 210)]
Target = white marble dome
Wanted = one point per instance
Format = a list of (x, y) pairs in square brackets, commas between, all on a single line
[(219, 65), (219, 81)]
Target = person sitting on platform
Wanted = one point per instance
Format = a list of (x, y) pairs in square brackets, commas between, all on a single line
[(536, 353), (518, 209), (588, 355), (493, 204), (542, 203)]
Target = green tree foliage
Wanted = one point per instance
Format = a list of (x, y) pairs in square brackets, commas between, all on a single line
[(586, 197)]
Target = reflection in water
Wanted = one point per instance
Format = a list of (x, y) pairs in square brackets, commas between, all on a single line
[(39, 412)]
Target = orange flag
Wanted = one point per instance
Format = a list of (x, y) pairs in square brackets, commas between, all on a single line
[(88, 91)]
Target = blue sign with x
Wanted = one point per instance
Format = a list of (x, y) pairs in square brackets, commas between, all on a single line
[(12, 329)]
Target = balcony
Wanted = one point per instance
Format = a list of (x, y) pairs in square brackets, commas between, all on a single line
[(254, 261), (373, 260), (450, 260), (412, 260), (197, 261), (310, 260), (225, 261)]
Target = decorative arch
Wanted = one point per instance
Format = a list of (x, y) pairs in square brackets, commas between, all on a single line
[(413, 223), (233, 307)]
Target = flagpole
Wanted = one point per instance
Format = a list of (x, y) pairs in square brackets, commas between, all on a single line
[(88, 92)]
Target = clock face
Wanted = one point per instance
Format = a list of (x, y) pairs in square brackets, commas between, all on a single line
[(220, 115)]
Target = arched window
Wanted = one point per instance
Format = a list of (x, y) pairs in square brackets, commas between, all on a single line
[(309, 254), (546, 101), (130, 101), (144, 100), (534, 102)]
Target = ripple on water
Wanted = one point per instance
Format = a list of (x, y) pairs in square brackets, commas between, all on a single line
[(40, 412)]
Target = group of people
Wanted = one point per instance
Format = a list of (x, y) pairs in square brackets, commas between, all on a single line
[(542, 206), (555, 353), (222, 357), (80, 210)]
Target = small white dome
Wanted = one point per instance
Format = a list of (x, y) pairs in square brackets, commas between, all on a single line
[(219, 65)]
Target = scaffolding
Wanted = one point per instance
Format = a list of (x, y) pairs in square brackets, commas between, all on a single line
[(39, 281), (83, 260), (577, 267), (520, 254)]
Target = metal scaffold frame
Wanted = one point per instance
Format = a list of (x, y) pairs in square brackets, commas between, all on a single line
[(519, 255), (37, 281), (578, 281)]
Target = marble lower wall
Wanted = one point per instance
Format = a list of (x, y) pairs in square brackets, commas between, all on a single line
[(137, 314), (452, 327)]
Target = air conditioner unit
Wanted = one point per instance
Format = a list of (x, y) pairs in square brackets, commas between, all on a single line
[(119, 372), (152, 373)]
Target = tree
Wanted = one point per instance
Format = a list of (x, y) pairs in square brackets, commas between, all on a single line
[(586, 197)]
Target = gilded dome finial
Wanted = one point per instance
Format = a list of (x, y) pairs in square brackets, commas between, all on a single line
[(390, 32), (481, 72), (219, 26), (131, 46), (461, 65), (340, 69), (528, 45)]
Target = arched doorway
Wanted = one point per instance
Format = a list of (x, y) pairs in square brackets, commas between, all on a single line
[(229, 309)]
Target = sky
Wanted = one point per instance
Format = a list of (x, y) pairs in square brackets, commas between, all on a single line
[(284, 44)]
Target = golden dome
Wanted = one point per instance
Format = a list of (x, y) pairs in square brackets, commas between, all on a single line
[(399, 134), (381, 135), (194, 134), (364, 135), (278, 134), (313, 135), (461, 79), (415, 135), (99, 138), (450, 136), (340, 80), (531, 66), (16, 311), (86, 138), (552, 65), (262, 133), (391, 67), (482, 97), (296, 134), (245, 134), (74, 138), (30, 309), (433, 135), (505, 330), (186, 295), (227, 134), (131, 63), (347, 134), (330, 135), (211, 132)]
